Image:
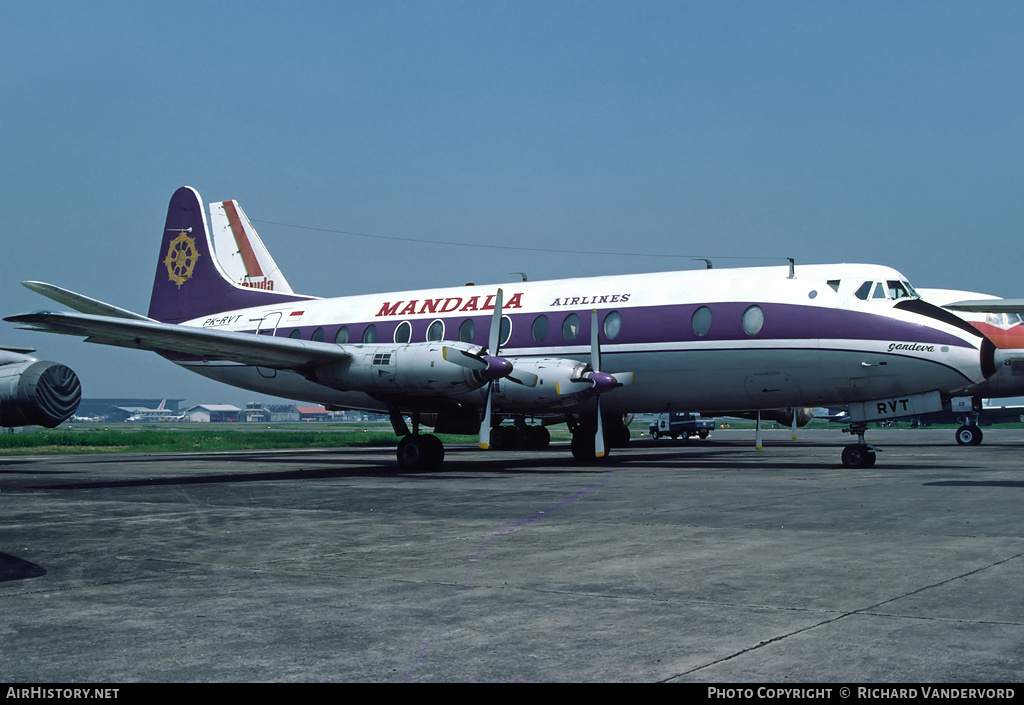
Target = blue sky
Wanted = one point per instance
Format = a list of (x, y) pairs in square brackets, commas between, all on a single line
[(825, 131)]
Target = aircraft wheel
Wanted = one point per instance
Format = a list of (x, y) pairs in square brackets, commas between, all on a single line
[(859, 455), (583, 447), (536, 437), (622, 436), (968, 436), (503, 437), (702, 434), (434, 449), (421, 453)]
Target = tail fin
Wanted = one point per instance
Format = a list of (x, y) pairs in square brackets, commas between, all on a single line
[(190, 282), (241, 252)]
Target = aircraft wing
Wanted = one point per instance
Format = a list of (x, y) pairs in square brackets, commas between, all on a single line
[(988, 306), (205, 343), (81, 302)]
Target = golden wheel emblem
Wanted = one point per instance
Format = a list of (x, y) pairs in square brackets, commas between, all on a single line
[(181, 258)]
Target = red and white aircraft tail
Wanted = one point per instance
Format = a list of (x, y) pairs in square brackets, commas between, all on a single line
[(241, 252)]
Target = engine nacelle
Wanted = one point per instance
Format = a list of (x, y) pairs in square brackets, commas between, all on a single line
[(37, 393), (405, 369), (558, 384), (785, 416)]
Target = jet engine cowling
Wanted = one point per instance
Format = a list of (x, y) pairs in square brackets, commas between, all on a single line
[(37, 392)]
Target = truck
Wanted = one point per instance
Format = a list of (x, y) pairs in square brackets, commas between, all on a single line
[(681, 424)]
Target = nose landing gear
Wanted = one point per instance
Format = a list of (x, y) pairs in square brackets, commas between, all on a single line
[(860, 454)]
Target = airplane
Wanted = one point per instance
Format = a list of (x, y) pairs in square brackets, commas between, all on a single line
[(1002, 322), (159, 414), (589, 348), (35, 392)]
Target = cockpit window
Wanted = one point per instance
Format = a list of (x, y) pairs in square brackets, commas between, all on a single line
[(834, 283), (1004, 320), (897, 290), (892, 289)]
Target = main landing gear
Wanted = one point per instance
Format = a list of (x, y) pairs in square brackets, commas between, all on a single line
[(584, 435), (859, 454), (519, 435), (420, 452), (417, 452)]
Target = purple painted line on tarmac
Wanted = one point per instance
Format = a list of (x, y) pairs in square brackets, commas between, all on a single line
[(529, 520)]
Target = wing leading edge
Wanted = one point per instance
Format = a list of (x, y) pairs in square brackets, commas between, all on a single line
[(244, 348)]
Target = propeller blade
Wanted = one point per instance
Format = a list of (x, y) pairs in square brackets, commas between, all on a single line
[(494, 338), (493, 342), (602, 382), (527, 379), (489, 366), (485, 423)]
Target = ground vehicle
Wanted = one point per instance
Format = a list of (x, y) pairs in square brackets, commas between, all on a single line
[(677, 424)]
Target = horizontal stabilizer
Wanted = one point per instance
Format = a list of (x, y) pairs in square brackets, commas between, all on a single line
[(80, 302), (17, 349), (988, 306)]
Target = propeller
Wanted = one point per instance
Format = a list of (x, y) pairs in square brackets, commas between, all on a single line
[(601, 381), (489, 367), (493, 342)]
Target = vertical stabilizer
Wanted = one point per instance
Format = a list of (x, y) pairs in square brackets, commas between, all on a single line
[(190, 282), (241, 252)]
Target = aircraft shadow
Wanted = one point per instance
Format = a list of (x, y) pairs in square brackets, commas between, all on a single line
[(978, 483), (14, 568)]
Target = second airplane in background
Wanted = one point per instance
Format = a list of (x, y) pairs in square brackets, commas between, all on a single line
[(590, 349)]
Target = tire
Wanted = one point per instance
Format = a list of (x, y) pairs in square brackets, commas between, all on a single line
[(534, 438), (968, 436), (859, 456), (422, 453), (504, 437)]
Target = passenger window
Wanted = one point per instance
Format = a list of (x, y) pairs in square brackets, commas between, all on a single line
[(466, 331), (753, 319), (539, 329), (318, 335), (570, 327), (370, 334), (403, 334), (505, 330), (342, 335), (701, 321), (612, 325), (295, 334), (436, 331)]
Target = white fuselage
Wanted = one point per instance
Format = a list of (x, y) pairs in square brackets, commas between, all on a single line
[(715, 340)]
